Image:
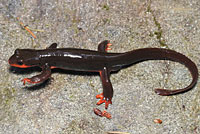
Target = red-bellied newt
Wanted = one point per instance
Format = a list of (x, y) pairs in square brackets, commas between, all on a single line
[(97, 61)]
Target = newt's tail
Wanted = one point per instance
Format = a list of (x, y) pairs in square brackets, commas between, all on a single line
[(139, 55)]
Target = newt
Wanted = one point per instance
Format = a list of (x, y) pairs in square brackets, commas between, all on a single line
[(97, 61)]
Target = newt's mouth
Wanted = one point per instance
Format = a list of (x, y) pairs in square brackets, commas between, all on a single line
[(20, 66)]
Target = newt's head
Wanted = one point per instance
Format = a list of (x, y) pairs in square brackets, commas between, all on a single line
[(24, 58)]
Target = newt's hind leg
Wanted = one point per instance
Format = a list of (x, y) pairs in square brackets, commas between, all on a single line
[(104, 46), (107, 94)]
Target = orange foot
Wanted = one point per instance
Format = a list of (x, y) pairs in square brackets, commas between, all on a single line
[(29, 81), (103, 100), (26, 80), (108, 46), (101, 114)]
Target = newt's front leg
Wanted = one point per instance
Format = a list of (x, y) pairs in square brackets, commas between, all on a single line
[(46, 73)]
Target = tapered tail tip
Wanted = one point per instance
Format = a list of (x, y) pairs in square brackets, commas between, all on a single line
[(163, 92)]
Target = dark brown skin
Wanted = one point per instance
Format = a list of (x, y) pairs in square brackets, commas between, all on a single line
[(97, 61)]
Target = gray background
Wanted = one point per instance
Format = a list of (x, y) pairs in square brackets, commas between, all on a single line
[(64, 105)]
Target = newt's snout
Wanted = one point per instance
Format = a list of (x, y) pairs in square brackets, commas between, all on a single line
[(15, 62)]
